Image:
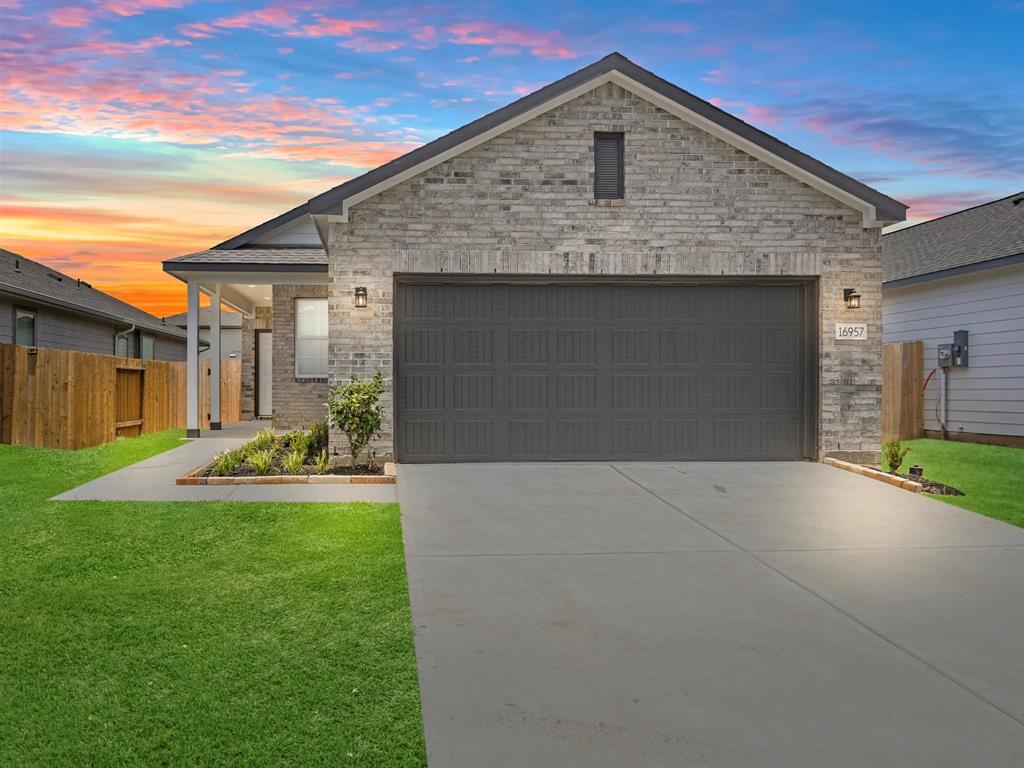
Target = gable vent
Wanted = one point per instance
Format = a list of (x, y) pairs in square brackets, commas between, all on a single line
[(609, 174)]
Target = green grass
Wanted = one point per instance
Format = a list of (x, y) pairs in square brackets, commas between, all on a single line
[(991, 476), (198, 633)]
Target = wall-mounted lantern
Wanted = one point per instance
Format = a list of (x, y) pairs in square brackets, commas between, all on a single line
[(360, 296), (852, 298)]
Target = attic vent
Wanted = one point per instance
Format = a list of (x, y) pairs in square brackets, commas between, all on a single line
[(609, 175), (1018, 201), (83, 284), (58, 278), (17, 265)]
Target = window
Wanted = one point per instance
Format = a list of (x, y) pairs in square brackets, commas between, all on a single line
[(121, 345), (609, 174), (147, 347), (311, 338), (25, 327)]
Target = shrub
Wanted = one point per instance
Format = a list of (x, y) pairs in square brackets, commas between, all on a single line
[(322, 463), (293, 461), (318, 437), (261, 461), (264, 439), (297, 440), (355, 409), (226, 462), (893, 454)]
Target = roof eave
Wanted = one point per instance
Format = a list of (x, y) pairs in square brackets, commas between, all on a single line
[(57, 303)]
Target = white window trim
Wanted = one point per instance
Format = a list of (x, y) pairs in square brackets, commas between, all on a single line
[(35, 325), (295, 355)]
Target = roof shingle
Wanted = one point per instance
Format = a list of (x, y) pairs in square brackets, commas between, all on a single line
[(991, 231), (23, 277)]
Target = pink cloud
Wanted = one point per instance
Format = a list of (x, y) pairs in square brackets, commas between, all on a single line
[(69, 17), (511, 39), (270, 16), (924, 207), (136, 7), (327, 26), (345, 76)]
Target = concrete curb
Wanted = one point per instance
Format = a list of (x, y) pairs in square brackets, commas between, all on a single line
[(874, 474)]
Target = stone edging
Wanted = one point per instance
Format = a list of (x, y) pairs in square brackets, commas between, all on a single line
[(195, 477), (874, 474)]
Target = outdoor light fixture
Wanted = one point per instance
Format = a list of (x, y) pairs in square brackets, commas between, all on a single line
[(852, 298), (360, 296)]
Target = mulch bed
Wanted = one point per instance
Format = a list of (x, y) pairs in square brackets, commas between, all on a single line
[(927, 486), (246, 471)]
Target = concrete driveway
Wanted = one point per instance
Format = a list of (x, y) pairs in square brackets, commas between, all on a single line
[(709, 615)]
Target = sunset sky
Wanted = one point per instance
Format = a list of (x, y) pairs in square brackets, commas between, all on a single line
[(137, 130)]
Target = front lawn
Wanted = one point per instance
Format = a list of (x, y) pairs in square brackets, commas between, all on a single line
[(207, 633), (991, 476)]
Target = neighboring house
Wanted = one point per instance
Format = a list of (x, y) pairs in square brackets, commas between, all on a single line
[(964, 271), (230, 331), (41, 307), (608, 268)]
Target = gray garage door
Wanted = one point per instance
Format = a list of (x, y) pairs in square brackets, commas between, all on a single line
[(518, 372)]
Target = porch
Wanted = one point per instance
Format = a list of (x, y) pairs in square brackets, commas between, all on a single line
[(251, 281)]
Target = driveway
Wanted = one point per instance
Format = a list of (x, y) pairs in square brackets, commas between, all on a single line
[(709, 615)]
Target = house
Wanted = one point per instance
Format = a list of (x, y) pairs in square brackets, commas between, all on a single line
[(607, 268), (41, 307), (230, 331), (963, 272)]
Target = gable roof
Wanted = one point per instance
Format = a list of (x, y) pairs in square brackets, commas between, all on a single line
[(991, 234), (227, 319), (22, 277), (615, 67)]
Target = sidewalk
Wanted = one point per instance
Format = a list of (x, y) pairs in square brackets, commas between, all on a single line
[(153, 479)]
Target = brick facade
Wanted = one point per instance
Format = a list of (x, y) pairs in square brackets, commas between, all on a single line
[(297, 403), (262, 319), (522, 203)]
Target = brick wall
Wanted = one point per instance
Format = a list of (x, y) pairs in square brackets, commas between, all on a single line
[(522, 203), (263, 319), (297, 402)]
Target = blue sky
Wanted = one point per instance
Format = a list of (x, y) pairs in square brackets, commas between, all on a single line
[(135, 130)]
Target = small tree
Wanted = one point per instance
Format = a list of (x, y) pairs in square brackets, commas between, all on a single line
[(893, 453), (355, 409)]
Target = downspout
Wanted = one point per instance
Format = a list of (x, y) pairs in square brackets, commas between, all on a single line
[(122, 333)]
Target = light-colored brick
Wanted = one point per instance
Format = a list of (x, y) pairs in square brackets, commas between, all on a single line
[(522, 203)]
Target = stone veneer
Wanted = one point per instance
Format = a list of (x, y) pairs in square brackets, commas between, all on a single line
[(522, 203)]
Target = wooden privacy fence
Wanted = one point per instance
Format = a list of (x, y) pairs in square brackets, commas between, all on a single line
[(902, 398), (57, 398)]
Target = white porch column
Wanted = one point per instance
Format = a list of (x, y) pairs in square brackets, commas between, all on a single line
[(192, 362), (215, 358)]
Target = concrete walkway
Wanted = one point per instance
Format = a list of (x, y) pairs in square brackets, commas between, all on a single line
[(153, 478), (709, 615)]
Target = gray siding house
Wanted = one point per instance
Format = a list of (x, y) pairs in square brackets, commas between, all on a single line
[(230, 331), (609, 267), (42, 307), (964, 271)]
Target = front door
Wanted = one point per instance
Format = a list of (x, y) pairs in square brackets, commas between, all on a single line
[(264, 373)]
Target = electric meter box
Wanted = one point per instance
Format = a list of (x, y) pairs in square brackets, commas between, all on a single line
[(954, 355), (960, 349), (945, 355)]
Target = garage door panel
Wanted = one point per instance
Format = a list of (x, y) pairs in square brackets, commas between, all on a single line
[(601, 371), (472, 391), (576, 347)]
